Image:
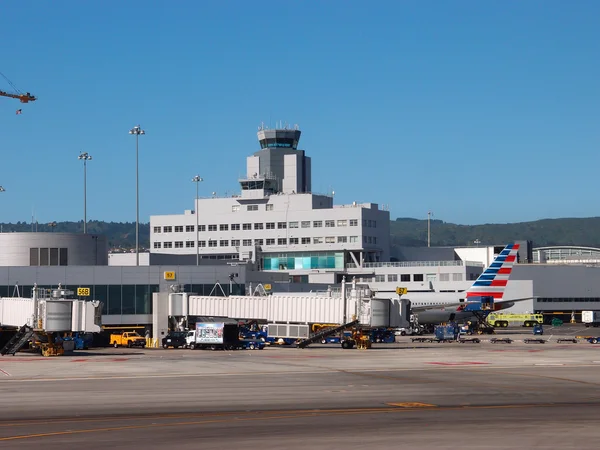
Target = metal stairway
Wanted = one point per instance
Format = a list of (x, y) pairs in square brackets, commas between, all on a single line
[(17, 341), (324, 333)]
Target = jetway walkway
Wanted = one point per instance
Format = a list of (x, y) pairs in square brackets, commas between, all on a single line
[(17, 341), (325, 333)]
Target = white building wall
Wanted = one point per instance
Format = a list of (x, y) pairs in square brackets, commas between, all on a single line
[(292, 174), (484, 255), (252, 166), (286, 212), (128, 259)]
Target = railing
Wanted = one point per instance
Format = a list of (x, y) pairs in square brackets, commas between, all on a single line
[(370, 265)]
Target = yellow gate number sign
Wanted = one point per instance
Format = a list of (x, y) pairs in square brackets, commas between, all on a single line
[(83, 292), (169, 275), (401, 290)]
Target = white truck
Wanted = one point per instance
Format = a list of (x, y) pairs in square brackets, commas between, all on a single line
[(590, 318)]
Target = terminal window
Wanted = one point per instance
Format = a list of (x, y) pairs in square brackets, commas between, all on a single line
[(48, 257)]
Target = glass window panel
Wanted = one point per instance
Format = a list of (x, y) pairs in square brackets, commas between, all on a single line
[(54, 257), (44, 256), (33, 256), (114, 299), (64, 253), (128, 299), (100, 292), (143, 299)]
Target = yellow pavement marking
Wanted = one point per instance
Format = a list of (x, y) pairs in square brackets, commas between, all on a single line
[(412, 405)]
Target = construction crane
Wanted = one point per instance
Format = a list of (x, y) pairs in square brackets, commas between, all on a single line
[(23, 97)]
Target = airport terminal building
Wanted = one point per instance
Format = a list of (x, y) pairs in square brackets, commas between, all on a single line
[(278, 232)]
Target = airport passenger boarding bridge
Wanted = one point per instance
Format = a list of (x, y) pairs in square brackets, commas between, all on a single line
[(287, 315)]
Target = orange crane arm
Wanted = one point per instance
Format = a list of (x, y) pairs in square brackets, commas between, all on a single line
[(24, 98)]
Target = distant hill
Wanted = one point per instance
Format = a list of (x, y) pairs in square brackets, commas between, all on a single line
[(404, 231), (568, 231)]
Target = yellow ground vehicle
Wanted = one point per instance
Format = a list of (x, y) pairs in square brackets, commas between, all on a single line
[(129, 339), (502, 320)]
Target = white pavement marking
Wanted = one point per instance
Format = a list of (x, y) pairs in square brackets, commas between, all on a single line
[(5, 373)]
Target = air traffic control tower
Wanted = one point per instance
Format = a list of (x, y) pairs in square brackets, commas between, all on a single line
[(279, 166)]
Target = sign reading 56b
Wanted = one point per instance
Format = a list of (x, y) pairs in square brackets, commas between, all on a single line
[(83, 292)]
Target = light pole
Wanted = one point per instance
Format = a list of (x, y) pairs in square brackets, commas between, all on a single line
[(85, 157), (1, 190), (137, 131), (197, 180)]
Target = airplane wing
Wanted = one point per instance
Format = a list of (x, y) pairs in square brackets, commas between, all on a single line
[(456, 305)]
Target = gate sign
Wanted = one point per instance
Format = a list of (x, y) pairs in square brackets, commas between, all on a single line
[(401, 290), (83, 292), (169, 275)]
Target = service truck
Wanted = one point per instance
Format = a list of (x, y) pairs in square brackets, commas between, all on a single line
[(590, 318), (214, 335), (129, 339)]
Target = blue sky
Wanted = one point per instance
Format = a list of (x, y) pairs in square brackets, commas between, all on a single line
[(477, 111)]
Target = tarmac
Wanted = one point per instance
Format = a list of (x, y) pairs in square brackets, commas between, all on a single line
[(409, 395)]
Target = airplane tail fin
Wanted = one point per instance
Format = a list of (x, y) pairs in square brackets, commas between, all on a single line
[(492, 282)]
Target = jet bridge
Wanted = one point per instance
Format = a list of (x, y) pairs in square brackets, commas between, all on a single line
[(48, 312)]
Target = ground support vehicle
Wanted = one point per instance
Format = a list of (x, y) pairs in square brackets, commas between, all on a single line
[(174, 339), (503, 320), (251, 344), (382, 335), (331, 340), (446, 333), (501, 340), (127, 339), (422, 339), (471, 340), (590, 318), (534, 341), (573, 340), (538, 330), (214, 336), (81, 341), (592, 339)]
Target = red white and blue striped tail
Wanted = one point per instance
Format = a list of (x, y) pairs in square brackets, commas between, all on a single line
[(492, 282)]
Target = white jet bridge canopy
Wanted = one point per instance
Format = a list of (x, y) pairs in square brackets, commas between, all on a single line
[(50, 312), (333, 307)]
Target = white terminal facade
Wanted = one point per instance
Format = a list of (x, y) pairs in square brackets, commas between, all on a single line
[(276, 221)]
